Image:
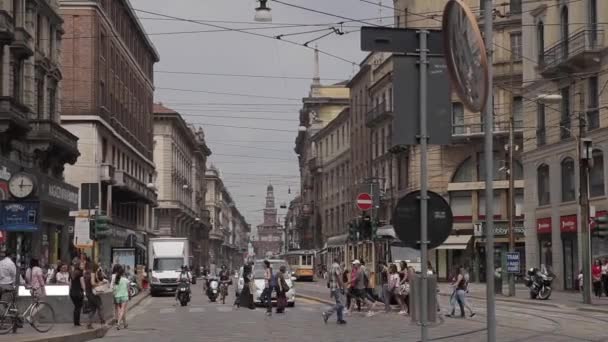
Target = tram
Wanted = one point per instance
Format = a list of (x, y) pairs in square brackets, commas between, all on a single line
[(301, 263)]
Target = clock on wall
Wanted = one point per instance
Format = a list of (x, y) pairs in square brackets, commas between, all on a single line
[(21, 185)]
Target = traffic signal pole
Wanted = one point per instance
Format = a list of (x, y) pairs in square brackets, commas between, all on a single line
[(584, 209)]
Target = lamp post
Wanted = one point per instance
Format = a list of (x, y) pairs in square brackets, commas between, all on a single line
[(262, 12)]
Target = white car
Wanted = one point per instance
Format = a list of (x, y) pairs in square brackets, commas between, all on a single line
[(258, 279)]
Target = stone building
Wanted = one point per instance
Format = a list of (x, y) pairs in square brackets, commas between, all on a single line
[(565, 48), (34, 148), (180, 155), (107, 102)]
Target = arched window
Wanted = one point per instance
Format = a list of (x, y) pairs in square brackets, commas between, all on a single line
[(540, 42), (465, 172), (596, 175), (568, 193), (543, 183)]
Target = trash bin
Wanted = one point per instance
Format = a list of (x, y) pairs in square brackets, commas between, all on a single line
[(498, 281)]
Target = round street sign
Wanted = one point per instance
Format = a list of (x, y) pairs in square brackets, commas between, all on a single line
[(406, 220), (364, 201), (465, 55)]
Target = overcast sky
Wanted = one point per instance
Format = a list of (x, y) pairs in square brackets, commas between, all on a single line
[(247, 158)]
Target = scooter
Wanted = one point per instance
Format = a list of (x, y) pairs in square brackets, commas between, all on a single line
[(539, 283), (133, 288), (183, 292), (212, 289)]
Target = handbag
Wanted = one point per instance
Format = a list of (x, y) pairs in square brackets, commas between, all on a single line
[(86, 306), (404, 289)]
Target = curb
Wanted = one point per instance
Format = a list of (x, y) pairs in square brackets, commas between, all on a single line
[(85, 335), (316, 299), (602, 311)]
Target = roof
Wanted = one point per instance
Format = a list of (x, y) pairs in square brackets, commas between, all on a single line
[(160, 109)]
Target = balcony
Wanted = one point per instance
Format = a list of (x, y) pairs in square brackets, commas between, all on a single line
[(314, 165), (56, 141), (107, 173), (13, 117), (377, 114), (573, 54), (7, 29), (477, 130), (139, 190), (23, 45)]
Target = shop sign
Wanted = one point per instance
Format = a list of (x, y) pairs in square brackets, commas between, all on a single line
[(501, 228), (568, 224), (513, 262), (19, 216), (4, 173), (59, 193), (82, 237), (543, 225)]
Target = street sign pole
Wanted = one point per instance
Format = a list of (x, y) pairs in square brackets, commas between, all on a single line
[(489, 161), (423, 187)]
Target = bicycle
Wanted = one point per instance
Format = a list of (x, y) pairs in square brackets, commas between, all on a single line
[(39, 315)]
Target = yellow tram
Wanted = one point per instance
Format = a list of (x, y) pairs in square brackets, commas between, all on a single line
[(301, 263)]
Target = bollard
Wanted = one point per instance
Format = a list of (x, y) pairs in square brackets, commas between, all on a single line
[(416, 299)]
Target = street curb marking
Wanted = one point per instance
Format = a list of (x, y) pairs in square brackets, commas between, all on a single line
[(316, 299)]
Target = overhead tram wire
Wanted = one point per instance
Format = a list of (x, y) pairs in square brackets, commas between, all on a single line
[(249, 33), (228, 94)]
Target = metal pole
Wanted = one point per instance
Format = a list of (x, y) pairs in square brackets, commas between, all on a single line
[(423, 186), (511, 208), (584, 207), (489, 162)]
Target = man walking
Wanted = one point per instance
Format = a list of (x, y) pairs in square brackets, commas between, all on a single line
[(267, 293), (386, 292), (336, 287), (8, 273)]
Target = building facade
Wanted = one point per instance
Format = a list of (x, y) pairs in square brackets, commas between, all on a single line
[(107, 102), (333, 155), (35, 200), (565, 46), (292, 231), (269, 235), (180, 155)]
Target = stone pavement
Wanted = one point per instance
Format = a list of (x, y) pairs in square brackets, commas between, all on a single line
[(162, 320), (66, 332)]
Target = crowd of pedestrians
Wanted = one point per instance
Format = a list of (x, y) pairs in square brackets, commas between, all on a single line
[(352, 289)]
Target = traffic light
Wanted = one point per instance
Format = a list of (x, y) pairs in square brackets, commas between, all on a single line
[(366, 227), (601, 225), (101, 227), (352, 231)]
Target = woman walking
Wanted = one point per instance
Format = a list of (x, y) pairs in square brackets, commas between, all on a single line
[(76, 293), (596, 277), (282, 289), (121, 297), (404, 286), (89, 281), (394, 288), (246, 296)]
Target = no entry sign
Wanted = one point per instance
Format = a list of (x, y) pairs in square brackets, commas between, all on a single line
[(364, 201)]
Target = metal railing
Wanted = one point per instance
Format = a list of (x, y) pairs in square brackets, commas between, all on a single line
[(585, 39), (380, 110), (470, 129)]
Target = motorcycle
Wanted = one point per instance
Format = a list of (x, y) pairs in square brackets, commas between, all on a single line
[(539, 283), (183, 292), (133, 287), (212, 289)]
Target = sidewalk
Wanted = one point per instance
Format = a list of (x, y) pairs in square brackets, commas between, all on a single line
[(65, 332), (561, 299)]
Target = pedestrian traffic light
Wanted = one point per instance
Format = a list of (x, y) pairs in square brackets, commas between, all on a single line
[(101, 226), (601, 223)]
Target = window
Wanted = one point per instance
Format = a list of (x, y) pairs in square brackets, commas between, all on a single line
[(38, 31), (568, 192), (564, 30), (104, 150), (518, 112), (543, 184), (52, 100), (540, 125), (17, 66), (40, 94), (516, 46), (16, 12), (593, 113), (565, 113), (540, 42), (596, 175), (464, 173), (515, 6), (458, 118), (592, 14)]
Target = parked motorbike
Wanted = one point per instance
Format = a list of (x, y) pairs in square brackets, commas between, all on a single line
[(213, 289), (183, 292), (133, 287), (539, 283)]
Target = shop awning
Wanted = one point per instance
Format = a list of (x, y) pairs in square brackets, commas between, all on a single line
[(456, 242), (386, 231), (337, 240)]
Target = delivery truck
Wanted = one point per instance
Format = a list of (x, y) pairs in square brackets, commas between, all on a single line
[(166, 256)]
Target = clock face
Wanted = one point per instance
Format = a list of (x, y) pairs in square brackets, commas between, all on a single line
[(21, 185)]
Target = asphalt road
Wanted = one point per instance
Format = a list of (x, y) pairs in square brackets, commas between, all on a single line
[(160, 319)]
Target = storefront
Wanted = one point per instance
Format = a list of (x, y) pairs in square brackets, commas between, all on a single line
[(501, 246), (34, 214), (568, 226), (543, 231)]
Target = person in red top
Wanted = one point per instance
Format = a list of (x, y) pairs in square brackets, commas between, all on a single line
[(596, 277)]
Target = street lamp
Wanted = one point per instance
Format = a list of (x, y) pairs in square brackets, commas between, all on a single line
[(262, 13)]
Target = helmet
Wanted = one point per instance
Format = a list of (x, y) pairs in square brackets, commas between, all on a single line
[(223, 267)]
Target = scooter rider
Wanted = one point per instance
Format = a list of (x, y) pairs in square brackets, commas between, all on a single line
[(184, 276), (224, 274)]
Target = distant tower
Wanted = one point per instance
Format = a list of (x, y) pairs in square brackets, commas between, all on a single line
[(316, 80), (270, 232)]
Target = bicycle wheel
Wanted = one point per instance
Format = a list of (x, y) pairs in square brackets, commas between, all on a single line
[(6, 319), (42, 317)]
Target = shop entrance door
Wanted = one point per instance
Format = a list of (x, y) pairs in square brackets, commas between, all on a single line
[(570, 263)]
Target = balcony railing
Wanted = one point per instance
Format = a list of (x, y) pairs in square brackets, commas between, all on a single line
[(47, 134), (314, 164), (478, 129), (23, 45), (107, 173), (378, 113), (571, 49), (132, 184)]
